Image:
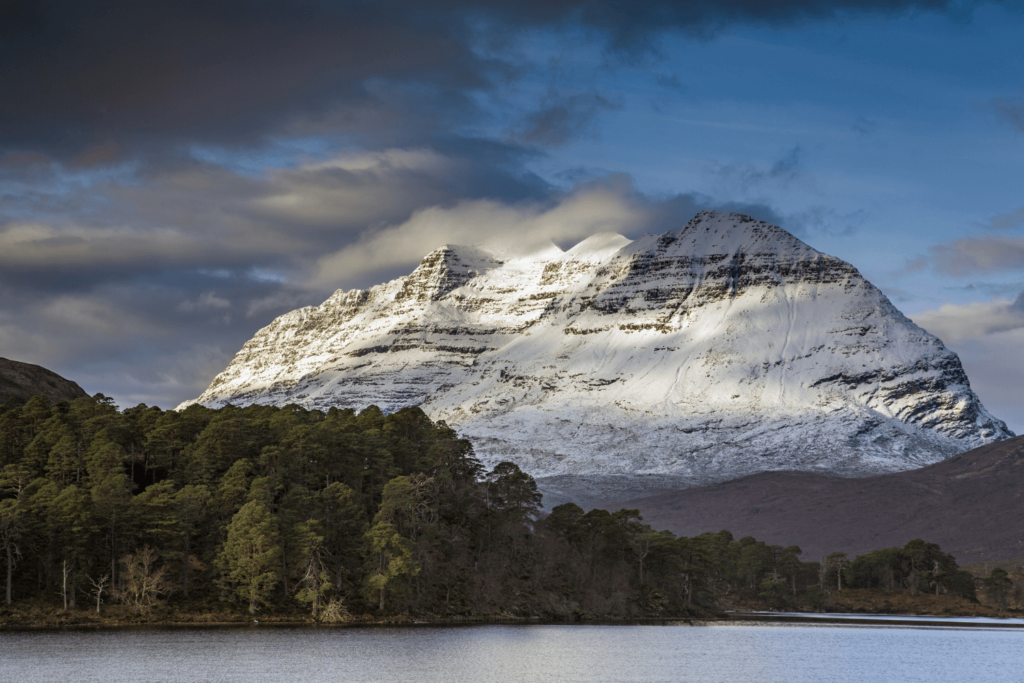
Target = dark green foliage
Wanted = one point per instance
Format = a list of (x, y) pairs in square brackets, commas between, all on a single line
[(250, 560), (512, 492), (998, 587), (338, 513), (917, 566)]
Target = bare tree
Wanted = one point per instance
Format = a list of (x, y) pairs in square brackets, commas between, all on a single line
[(838, 562), (335, 611), (10, 533), (641, 545), (315, 582), (65, 575), (143, 582), (99, 587)]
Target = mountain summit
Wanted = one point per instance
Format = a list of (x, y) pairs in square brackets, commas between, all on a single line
[(720, 349)]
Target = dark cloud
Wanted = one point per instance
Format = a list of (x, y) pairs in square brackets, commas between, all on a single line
[(864, 126), (94, 81), (1018, 304), (632, 26), (986, 253), (788, 167), (745, 177), (1008, 221), (139, 250), (561, 118), (1011, 109), (154, 339), (78, 75), (824, 220), (669, 82)]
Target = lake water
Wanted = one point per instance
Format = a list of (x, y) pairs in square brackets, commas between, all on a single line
[(741, 653)]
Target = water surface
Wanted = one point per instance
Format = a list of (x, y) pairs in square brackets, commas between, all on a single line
[(741, 653)]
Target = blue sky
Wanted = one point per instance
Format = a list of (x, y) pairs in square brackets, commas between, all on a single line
[(881, 134), (172, 177)]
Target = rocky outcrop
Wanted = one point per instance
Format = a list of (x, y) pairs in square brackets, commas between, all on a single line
[(22, 381), (722, 348)]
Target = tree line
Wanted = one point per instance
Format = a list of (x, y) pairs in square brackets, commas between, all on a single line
[(340, 513)]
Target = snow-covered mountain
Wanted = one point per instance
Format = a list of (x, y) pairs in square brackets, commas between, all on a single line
[(722, 348)]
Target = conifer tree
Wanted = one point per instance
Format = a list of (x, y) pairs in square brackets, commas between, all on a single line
[(391, 562), (316, 582), (10, 536), (191, 503), (251, 557)]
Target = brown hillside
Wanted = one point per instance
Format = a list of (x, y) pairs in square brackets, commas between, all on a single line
[(971, 504), (24, 380)]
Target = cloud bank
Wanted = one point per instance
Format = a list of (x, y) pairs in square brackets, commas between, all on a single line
[(173, 175)]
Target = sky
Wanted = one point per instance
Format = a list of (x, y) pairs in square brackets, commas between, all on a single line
[(173, 176)]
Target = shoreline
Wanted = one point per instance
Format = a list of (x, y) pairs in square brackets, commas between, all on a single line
[(874, 619), (726, 618)]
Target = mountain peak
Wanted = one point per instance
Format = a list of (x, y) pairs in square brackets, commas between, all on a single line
[(727, 232), (445, 269), (597, 247), (722, 348), (505, 250)]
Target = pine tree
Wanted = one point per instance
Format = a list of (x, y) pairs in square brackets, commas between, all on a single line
[(391, 561), (344, 523), (191, 502), (316, 582), (251, 557), (11, 523)]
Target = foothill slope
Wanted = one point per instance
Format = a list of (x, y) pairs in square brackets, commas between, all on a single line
[(971, 504)]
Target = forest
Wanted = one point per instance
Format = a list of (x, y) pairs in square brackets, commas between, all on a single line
[(338, 515)]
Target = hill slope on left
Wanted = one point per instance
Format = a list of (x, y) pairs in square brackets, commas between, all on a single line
[(22, 381)]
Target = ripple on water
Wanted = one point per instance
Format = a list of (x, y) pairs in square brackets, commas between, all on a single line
[(592, 654)]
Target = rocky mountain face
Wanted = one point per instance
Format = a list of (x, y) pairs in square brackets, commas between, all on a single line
[(22, 381), (720, 349)]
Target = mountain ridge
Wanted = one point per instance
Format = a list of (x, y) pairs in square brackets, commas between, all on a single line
[(724, 347)]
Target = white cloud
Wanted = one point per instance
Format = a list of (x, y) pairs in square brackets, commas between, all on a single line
[(984, 254), (993, 364), (956, 322), (36, 245), (521, 227), (203, 216), (387, 160), (989, 338)]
